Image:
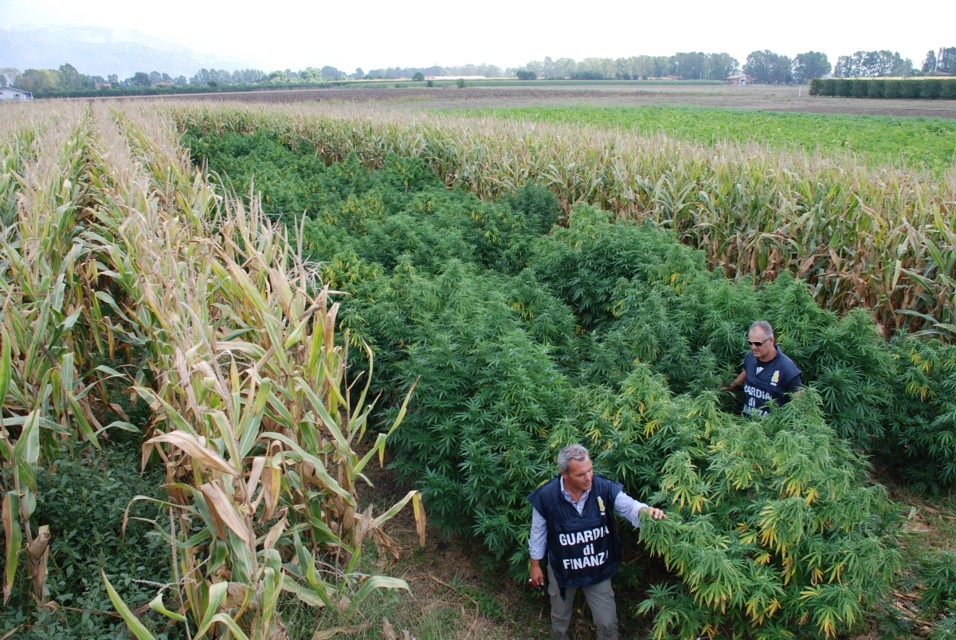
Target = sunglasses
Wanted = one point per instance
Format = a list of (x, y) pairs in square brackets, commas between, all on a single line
[(757, 344)]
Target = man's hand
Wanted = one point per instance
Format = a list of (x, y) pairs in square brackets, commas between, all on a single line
[(654, 513), (537, 575)]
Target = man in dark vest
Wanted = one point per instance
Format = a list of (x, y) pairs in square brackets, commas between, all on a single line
[(572, 524), (768, 374)]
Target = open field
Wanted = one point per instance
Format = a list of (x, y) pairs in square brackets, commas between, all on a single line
[(112, 236), (754, 97)]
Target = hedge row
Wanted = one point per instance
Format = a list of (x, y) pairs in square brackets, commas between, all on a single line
[(910, 88)]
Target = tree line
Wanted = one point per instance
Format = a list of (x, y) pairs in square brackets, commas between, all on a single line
[(760, 67)]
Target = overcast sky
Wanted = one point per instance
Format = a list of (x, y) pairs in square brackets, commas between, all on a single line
[(371, 34)]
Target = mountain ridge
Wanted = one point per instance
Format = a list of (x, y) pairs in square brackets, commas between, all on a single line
[(96, 51)]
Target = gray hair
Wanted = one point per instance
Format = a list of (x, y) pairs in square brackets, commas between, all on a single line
[(569, 453), (763, 324)]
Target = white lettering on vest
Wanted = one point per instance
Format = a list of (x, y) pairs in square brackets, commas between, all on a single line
[(582, 537)]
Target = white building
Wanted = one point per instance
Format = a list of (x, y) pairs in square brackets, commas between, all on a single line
[(12, 93)]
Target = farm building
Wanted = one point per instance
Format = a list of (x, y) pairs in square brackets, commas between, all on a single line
[(12, 93), (739, 79)]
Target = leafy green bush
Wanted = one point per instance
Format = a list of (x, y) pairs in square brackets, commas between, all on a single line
[(775, 529), (585, 262), (615, 335), (486, 390), (920, 436), (83, 498), (921, 88), (892, 90), (259, 161), (931, 88)]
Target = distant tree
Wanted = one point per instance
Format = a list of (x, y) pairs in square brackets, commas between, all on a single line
[(113, 79), (689, 66), (622, 70), (810, 65), (460, 83), (902, 67), (872, 64), (846, 67), (536, 67), (7, 76), (720, 66), (661, 66), (524, 74), (311, 75), (200, 77), (38, 80), (558, 69), (767, 67), (418, 77), (757, 66), (946, 61), (138, 79), (929, 62), (71, 79), (248, 76), (331, 73), (592, 69), (547, 68)]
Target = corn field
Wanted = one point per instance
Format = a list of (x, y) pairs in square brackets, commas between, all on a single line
[(129, 276), (877, 238), (124, 273)]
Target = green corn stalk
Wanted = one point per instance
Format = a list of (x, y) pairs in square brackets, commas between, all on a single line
[(253, 411), (835, 221)]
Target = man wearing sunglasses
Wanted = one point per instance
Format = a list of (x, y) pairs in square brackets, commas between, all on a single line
[(768, 374)]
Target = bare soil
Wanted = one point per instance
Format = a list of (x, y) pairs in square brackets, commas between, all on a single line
[(755, 97)]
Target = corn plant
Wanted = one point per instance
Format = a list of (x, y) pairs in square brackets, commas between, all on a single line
[(119, 250), (614, 335), (50, 381), (878, 238), (251, 364)]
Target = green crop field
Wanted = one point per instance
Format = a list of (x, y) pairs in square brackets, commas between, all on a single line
[(915, 143), (217, 319)]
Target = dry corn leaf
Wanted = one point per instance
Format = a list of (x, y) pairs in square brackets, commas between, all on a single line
[(195, 449)]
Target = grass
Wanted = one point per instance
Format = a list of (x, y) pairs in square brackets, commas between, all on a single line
[(929, 544), (453, 595), (932, 522), (918, 143)]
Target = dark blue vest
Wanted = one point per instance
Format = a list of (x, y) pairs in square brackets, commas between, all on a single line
[(778, 377), (582, 549)]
